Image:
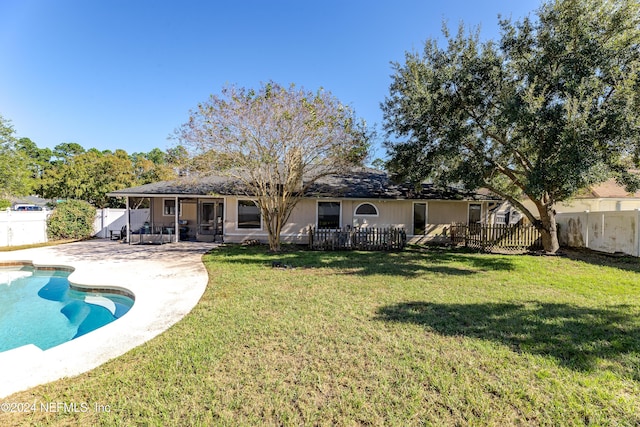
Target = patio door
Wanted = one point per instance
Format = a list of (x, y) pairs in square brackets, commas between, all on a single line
[(475, 217), (419, 218), (210, 218), (475, 213)]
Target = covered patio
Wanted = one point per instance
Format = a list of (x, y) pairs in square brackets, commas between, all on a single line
[(173, 219), (187, 213)]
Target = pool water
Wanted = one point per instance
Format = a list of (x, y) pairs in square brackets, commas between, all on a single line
[(37, 306)]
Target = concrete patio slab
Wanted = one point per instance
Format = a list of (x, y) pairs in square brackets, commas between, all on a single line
[(166, 280)]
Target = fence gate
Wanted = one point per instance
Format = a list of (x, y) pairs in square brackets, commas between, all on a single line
[(503, 237)]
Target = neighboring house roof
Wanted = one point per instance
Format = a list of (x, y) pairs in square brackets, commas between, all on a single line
[(362, 183), (608, 189), (31, 200)]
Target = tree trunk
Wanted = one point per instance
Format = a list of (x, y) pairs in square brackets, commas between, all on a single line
[(548, 229), (274, 227), (273, 231), (274, 220), (274, 244)]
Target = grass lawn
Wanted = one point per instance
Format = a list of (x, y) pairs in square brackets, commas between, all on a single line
[(36, 245), (410, 338)]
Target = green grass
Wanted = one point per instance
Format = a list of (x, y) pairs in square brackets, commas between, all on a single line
[(36, 245), (410, 338)]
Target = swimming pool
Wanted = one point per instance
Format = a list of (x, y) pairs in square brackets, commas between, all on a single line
[(39, 306)]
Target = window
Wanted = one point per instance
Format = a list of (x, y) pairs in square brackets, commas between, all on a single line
[(328, 214), (366, 209), (419, 218), (248, 214), (169, 207)]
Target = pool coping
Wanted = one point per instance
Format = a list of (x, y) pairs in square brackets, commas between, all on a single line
[(167, 281), (113, 290)]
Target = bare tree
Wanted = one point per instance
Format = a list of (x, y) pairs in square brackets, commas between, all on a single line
[(275, 142)]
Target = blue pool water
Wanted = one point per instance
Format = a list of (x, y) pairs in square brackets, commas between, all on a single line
[(38, 307)]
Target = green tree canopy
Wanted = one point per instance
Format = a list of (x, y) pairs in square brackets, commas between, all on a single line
[(76, 173), (15, 176), (67, 150), (39, 158), (152, 166), (88, 176), (549, 109), (71, 172), (268, 138)]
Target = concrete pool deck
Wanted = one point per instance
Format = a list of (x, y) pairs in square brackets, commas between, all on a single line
[(166, 280)]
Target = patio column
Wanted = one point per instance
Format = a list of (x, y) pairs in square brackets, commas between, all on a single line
[(128, 222), (175, 222)]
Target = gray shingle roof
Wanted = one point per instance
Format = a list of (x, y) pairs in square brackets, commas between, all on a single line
[(188, 186), (362, 183)]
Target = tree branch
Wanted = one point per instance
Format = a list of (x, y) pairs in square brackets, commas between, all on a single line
[(515, 202)]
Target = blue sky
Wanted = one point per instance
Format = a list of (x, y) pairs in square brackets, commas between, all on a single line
[(124, 73)]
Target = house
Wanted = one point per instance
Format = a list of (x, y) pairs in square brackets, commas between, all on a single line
[(604, 197), (215, 208), (608, 196)]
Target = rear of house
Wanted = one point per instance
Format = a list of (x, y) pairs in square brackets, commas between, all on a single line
[(216, 209)]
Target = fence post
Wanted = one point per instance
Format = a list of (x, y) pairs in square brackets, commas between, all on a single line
[(637, 236), (9, 229), (586, 227)]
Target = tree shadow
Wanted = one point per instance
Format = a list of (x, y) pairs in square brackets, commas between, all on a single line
[(622, 262), (407, 263), (576, 337)]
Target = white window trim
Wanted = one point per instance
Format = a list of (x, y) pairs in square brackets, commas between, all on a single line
[(377, 214), (329, 201), (179, 207), (238, 217)]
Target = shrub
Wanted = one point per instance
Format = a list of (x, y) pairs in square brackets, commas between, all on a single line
[(4, 204), (72, 219)]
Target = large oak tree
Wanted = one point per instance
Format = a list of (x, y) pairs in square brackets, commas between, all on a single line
[(275, 142), (549, 109)]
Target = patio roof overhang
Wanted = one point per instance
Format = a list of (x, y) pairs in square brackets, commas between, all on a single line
[(163, 195)]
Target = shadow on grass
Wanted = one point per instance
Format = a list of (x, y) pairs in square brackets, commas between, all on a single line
[(410, 262), (625, 262), (577, 337)]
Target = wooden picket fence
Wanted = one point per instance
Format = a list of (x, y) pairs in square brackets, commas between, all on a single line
[(366, 239), (498, 237)]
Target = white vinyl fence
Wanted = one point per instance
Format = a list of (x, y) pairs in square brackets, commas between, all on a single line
[(108, 220), (611, 231), (23, 227), (30, 227)]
